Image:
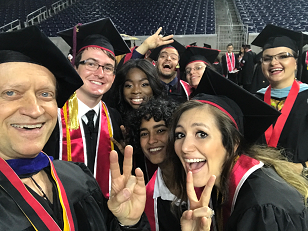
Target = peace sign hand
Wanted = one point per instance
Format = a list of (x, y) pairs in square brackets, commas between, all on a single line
[(128, 194), (198, 218)]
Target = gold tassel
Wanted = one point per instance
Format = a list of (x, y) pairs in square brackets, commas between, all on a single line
[(73, 112)]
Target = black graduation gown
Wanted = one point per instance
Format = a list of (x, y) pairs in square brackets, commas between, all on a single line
[(88, 205), (266, 202), (294, 136), (247, 64), (304, 78), (258, 81), (52, 146)]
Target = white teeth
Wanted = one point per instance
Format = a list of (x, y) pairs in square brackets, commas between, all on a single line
[(194, 160), (137, 100), (276, 69), (155, 149), (98, 83), (27, 126)]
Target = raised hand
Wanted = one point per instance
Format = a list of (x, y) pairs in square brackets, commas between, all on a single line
[(198, 218), (121, 144), (155, 40), (128, 194)]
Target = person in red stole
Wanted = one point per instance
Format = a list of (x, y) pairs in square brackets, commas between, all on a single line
[(86, 123), (280, 62), (37, 193), (230, 64), (149, 137), (250, 187)]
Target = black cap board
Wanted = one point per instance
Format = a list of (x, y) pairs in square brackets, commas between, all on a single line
[(31, 45), (176, 45), (257, 115), (100, 33), (194, 53)]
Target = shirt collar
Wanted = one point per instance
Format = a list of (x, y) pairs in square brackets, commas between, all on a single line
[(160, 189), (83, 109)]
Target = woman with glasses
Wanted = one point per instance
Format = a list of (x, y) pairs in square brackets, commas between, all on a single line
[(286, 93), (194, 62)]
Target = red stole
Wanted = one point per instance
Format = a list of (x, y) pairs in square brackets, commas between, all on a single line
[(242, 169), (230, 63), (272, 135), (186, 87), (74, 147), (150, 208), (31, 208)]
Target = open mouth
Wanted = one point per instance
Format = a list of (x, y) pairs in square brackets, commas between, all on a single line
[(95, 82), (27, 126), (154, 150), (137, 101), (276, 70), (167, 66), (194, 164)]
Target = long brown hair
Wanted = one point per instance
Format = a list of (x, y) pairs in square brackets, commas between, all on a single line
[(235, 145)]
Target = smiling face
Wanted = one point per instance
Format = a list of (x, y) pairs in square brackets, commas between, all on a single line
[(198, 144), (95, 83), (194, 72), (280, 73), (153, 140), (136, 89), (28, 112), (166, 64)]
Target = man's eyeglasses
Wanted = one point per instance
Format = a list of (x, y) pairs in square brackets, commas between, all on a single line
[(165, 55), (279, 57), (196, 68), (92, 65)]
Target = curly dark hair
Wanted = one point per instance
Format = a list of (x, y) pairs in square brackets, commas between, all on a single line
[(150, 71), (157, 108)]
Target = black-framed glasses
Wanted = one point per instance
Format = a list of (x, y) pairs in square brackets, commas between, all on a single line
[(196, 68), (92, 65), (279, 57)]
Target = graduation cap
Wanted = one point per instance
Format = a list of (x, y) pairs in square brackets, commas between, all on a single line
[(198, 54), (100, 33), (252, 115), (207, 45), (176, 45), (31, 45), (274, 36)]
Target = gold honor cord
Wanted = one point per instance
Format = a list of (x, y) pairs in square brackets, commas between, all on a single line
[(71, 121), (109, 125)]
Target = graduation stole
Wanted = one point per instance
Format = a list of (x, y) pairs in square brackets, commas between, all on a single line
[(272, 134), (74, 147), (230, 63), (242, 169), (30, 207), (151, 203), (186, 87)]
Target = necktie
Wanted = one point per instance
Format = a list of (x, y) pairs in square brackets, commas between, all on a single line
[(90, 115)]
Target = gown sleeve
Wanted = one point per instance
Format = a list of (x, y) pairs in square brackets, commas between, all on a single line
[(271, 218)]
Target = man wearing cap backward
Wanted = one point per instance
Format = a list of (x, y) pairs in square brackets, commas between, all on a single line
[(86, 123), (167, 59), (37, 193)]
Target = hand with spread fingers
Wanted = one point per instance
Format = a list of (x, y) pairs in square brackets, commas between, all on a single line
[(198, 217), (128, 193), (155, 40)]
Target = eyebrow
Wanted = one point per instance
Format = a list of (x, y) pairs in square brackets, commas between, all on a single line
[(279, 53), (155, 126), (194, 125), (129, 80)]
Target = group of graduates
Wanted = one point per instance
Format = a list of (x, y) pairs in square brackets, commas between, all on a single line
[(156, 142)]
